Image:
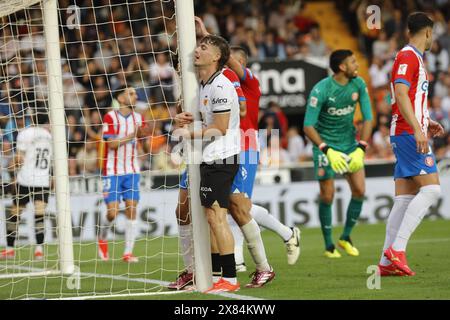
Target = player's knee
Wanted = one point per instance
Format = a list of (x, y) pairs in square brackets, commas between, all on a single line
[(111, 214), (327, 197), (240, 214), (182, 213), (359, 192), (39, 208)]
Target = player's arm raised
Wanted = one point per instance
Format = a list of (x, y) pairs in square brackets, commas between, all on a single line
[(338, 160), (406, 109)]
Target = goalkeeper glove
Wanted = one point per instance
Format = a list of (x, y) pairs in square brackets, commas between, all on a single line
[(357, 157), (337, 159)]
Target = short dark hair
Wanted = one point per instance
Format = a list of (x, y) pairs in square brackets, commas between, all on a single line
[(337, 57), (221, 44), (418, 21), (241, 50), (118, 91)]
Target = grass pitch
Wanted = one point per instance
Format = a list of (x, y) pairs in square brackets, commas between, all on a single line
[(313, 277)]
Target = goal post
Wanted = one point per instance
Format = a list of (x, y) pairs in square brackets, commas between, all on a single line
[(67, 60), (57, 121), (187, 42), (56, 110)]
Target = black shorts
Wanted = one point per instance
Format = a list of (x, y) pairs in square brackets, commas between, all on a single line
[(216, 180), (26, 194)]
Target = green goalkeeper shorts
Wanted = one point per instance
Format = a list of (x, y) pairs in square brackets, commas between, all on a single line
[(322, 167)]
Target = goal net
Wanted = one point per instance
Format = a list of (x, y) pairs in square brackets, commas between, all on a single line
[(104, 45)]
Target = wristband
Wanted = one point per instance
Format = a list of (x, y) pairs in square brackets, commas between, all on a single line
[(323, 147), (362, 145)]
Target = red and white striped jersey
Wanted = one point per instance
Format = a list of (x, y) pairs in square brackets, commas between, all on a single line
[(122, 160), (409, 69)]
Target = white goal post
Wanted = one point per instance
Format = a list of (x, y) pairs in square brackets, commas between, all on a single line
[(187, 42), (56, 110), (73, 237)]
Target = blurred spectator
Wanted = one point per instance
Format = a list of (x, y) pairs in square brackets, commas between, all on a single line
[(379, 73), (297, 149), (381, 143), (381, 46), (317, 46), (278, 19), (74, 94), (87, 159), (437, 58), (441, 87), (274, 155), (438, 114), (282, 120), (19, 119), (271, 48)]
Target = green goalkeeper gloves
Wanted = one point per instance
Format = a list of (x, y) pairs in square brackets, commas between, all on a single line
[(338, 160), (357, 158)]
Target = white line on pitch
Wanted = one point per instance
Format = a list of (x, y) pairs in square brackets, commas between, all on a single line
[(141, 280)]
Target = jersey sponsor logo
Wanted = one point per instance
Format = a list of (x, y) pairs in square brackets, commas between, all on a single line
[(313, 102), (425, 86), (341, 112), (219, 100), (205, 189), (402, 69), (355, 96), (429, 161)]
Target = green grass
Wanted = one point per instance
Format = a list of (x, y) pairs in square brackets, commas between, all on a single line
[(313, 277)]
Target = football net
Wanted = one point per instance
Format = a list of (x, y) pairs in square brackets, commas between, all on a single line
[(103, 45)]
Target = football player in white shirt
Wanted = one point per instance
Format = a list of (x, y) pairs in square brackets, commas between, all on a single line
[(120, 170), (32, 162), (219, 107)]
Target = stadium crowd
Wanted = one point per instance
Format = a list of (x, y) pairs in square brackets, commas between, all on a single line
[(106, 50)]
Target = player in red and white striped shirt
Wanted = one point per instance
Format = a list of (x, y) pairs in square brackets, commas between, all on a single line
[(121, 130), (417, 184)]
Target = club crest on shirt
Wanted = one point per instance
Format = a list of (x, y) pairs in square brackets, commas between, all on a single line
[(313, 102), (321, 172), (355, 96), (402, 69), (205, 102), (429, 161)]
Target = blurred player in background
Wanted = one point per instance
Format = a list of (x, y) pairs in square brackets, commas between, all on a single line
[(417, 184), (32, 161), (121, 130), (329, 125)]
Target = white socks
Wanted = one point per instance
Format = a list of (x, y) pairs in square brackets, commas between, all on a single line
[(238, 241), (393, 223), (266, 220), (130, 235), (187, 246), (252, 235), (414, 214), (103, 234)]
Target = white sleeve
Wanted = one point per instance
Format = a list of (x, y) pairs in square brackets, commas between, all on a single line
[(22, 141), (222, 97)]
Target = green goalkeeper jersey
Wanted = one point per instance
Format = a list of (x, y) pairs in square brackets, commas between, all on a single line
[(331, 108)]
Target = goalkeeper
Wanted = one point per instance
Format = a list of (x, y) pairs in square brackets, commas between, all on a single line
[(329, 125)]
